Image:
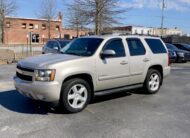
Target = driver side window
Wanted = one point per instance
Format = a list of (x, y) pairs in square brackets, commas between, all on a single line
[(117, 46)]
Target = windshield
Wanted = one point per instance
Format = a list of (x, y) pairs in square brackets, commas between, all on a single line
[(186, 46), (172, 47), (64, 43), (82, 46)]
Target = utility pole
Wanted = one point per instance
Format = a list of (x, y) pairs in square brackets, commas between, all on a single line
[(162, 18)]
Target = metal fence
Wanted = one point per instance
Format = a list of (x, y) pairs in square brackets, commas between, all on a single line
[(14, 53)]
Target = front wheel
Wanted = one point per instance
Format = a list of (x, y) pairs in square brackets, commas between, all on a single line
[(75, 95), (153, 81)]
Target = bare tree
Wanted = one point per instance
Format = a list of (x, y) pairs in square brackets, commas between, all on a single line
[(74, 17), (103, 13), (48, 11), (7, 7)]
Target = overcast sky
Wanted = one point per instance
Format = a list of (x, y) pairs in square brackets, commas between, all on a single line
[(140, 12)]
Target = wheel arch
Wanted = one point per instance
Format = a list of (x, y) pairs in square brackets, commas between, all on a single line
[(158, 68), (85, 76)]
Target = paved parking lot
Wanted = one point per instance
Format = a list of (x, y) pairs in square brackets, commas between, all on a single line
[(123, 115)]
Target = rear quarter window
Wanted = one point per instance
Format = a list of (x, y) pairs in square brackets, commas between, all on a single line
[(156, 46)]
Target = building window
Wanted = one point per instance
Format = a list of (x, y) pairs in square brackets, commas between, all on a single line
[(67, 36), (142, 32), (135, 31), (36, 26), (24, 26), (8, 24), (35, 38), (43, 26), (57, 27), (31, 26)]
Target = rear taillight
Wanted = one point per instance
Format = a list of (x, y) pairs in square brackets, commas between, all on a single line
[(169, 59)]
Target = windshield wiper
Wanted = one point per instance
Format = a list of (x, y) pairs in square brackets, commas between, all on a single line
[(73, 53)]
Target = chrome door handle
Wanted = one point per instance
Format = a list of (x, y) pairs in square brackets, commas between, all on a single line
[(146, 59), (124, 63)]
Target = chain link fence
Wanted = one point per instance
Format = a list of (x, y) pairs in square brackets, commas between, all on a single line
[(14, 53)]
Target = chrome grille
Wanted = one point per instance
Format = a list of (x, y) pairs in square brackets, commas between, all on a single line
[(25, 74)]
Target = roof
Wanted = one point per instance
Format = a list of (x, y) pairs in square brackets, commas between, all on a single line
[(119, 36), (36, 19)]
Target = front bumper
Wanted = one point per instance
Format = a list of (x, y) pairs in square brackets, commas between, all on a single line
[(43, 91), (173, 59)]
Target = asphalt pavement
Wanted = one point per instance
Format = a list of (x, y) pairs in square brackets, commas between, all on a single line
[(123, 115)]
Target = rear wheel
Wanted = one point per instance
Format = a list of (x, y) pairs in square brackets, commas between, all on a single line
[(75, 96), (153, 81)]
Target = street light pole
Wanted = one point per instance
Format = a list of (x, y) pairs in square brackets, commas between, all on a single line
[(43, 36), (162, 18), (27, 38)]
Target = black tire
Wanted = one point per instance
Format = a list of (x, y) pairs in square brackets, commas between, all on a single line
[(146, 86), (66, 87)]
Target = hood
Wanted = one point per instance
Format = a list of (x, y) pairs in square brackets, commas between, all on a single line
[(170, 50), (183, 51), (45, 60)]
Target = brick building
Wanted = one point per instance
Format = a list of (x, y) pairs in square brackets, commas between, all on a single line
[(35, 31)]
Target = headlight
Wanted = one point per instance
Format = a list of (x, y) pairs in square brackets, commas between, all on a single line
[(45, 75), (174, 53), (181, 54)]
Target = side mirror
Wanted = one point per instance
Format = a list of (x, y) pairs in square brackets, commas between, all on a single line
[(107, 53), (56, 48)]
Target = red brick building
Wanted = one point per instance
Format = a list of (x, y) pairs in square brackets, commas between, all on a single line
[(26, 30)]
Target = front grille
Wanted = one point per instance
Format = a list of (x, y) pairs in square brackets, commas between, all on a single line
[(25, 69), (24, 77), (24, 73)]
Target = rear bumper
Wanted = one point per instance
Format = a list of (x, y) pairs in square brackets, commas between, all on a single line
[(166, 71), (43, 91)]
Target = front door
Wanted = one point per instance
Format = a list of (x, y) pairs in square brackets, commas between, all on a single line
[(113, 72)]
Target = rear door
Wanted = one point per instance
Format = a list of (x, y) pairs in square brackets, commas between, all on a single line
[(138, 60)]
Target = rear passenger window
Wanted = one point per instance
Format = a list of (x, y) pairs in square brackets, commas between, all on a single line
[(156, 46), (136, 47), (117, 46)]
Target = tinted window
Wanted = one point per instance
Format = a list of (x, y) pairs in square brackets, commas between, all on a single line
[(187, 46), (52, 44), (117, 46), (82, 46), (136, 47), (172, 47), (178, 46), (63, 43), (183, 46), (156, 46)]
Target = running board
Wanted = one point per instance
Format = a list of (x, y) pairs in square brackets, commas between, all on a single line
[(115, 90)]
